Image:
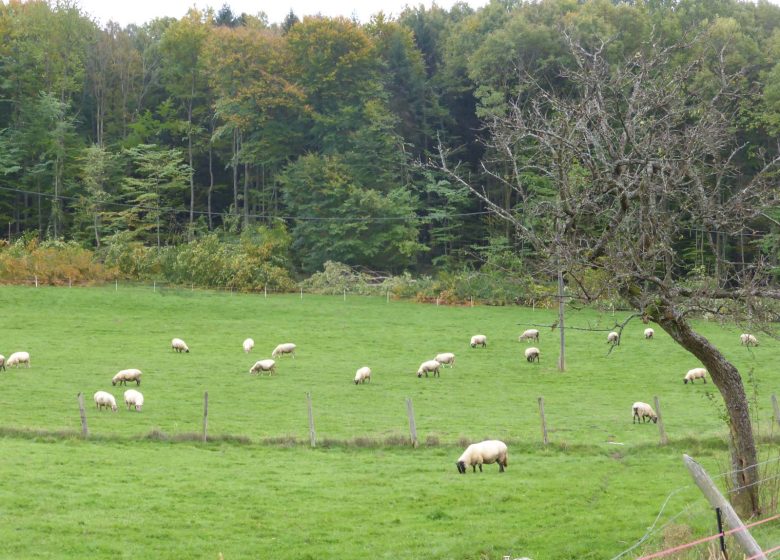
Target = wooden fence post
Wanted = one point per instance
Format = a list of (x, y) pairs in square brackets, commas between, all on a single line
[(661, 431), (713, 495), (83, 413), (205, 415), (312, 434), (777, 408), (36, 280), (544, 421), (412, 423)]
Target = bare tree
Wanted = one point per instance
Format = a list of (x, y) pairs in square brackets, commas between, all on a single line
[(612, 173)]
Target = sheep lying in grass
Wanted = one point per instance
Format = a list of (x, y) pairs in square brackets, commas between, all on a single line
[(748, 340), (126, 375), (446, 358), (478, 340), (613, 338), (532, 354), (529, 334), (104, 399), (18, 358), (362, 375), (135, 399), (286, 348), (649, 333), (643, 411), (695, 373), (248, 345), (263, 365), (179, 345), (484, 452), (430, 365)]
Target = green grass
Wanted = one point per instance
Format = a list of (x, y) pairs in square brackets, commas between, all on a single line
[(122, 494)]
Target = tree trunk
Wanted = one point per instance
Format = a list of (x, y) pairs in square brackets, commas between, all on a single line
[(192, 173), (211, 183), (727, 379)]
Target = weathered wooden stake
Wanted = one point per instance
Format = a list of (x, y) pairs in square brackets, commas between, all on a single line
[(312, 434), (412, 423), (661, 431), (205, 415), (437, 301), (83, 413), (387, 295), (70, 283), (301, 293), (265, 292), (36, 280), (776, 407), (345, 294), (472, 301), (116, 285), (713, 495), (154, 286), (544, 421)]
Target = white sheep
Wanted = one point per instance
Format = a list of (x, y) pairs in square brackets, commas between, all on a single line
[(430, 365), (643, 411), (532, 353), (446, 358), (2, 362), (179, 345), (530, 334), (286, 348), (649, 333), (263, 365), (748, 340), (487, 452), (695, 373), (125, 375), (18, 358), (478, 339), (613, 338), (103, 398), (134, 398), (362, 375), (248, 345)]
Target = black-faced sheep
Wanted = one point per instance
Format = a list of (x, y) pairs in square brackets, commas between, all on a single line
[(484, 452), (649, 333), (478, 340), (643, 411), (529, 334), (613, 338), (695, 373), (125, 375), (748, 340), (263, 365), (532, 354), (430, 365)]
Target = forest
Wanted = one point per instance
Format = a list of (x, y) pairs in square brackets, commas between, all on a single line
[(287, 145)]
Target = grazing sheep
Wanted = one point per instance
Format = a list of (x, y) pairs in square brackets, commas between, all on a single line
[(286, 348), (446, 358), (748, 340), (126, 375), (613, 338), (362, 375), (695, 373), (478, 339), (179, 345), (18, 358), (430, 365), (530, 334), (649, 333), (263, 365), (532, 354), (104, 399), (643, 411), (248, 345), (2, 362), (134, 398), (487, 452)]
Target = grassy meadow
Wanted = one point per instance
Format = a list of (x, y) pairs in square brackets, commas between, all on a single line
[(592, 493)]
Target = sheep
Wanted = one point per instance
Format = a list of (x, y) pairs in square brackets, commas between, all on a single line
[(530, 334), (649, 333), (263, 365), (362, 375), (125, 375), (695, 373), (532, 354), (430, 365), (134, 398), (478, 339), (748, 340), (248, 345), (179, 345), (18, 358), (446, 358), (103, 398), (487, 452), (643, 411), (613, 338), (286, 348), (2, 362)]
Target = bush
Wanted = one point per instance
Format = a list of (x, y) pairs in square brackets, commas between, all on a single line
[(52, 262), (337, 277)]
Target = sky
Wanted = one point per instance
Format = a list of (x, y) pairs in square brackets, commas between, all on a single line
[(139, 11)]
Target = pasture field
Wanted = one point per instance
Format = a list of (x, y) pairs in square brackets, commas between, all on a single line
[(121, 494)]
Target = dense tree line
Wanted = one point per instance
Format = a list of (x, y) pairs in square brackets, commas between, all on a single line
[(217, 122)]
